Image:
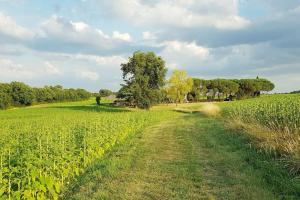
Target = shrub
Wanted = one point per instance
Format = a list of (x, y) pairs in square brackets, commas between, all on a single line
[(98, 99)]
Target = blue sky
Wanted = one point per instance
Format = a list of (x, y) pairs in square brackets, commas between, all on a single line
[(82, 43)]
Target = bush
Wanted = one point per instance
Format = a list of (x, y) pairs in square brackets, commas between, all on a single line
[(98, 99)]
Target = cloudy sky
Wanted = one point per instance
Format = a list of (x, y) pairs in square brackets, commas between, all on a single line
[(81, 43)]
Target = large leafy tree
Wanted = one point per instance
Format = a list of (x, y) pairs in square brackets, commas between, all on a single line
[(144, 75), (253, 87), (179, 85)]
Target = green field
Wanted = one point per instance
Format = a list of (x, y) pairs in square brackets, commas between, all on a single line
[(44, 147), (82, 151)]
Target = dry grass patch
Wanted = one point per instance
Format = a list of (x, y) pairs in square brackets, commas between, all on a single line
[(210, 109), (282, 145)]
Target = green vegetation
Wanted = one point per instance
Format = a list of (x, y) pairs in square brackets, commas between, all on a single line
[(79, 150), (144, 76), (274, 123), (178, 86), (98, 99), (189, 157), (296, 92), (105, 92), (44, 147), (20, 94), (223, 88)]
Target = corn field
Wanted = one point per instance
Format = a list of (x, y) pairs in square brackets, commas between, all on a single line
[(273, 121), (43, 149), (280, 113)]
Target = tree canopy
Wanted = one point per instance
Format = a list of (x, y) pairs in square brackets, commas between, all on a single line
[(178, 86), (222, 88), (144, 75)]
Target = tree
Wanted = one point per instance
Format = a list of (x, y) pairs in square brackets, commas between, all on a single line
[(253, 87), (98, 99), (22, 94), (199, 89), (105, 92), (295, 92), (179, 85), (265, 85), (144, 76)]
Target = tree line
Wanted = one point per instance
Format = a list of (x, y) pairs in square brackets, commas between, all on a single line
[(145, 84), (20, 94), (296, 92), (218, 89)]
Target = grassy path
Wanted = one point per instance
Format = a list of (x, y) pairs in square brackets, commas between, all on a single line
[(190, 157)]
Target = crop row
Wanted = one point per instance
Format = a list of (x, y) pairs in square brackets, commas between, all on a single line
[(40, 155)]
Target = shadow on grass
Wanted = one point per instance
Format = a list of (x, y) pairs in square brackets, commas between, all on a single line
[(105, 107)]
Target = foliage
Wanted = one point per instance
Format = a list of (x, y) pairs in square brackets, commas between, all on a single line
[(143, 75), (98, 99), (105, 92), (222, 88), (43, 148), (5, 95), (296, 92), (5, 100), (178, 86), (20, 94)]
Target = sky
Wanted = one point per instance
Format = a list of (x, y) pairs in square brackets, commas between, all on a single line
[(81, 43)]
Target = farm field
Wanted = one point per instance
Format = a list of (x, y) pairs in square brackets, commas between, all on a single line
[(44, 146), (79, 150), (189, 157)]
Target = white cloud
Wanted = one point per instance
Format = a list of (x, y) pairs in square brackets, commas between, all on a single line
[(80, 26), (60, 34), (109, 61), (102, 60), (14, 71), (122, 36), (10, 28), (181, 13), (179, 54), (147, 35), (51, 69), (86, 74), (62, 31)]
